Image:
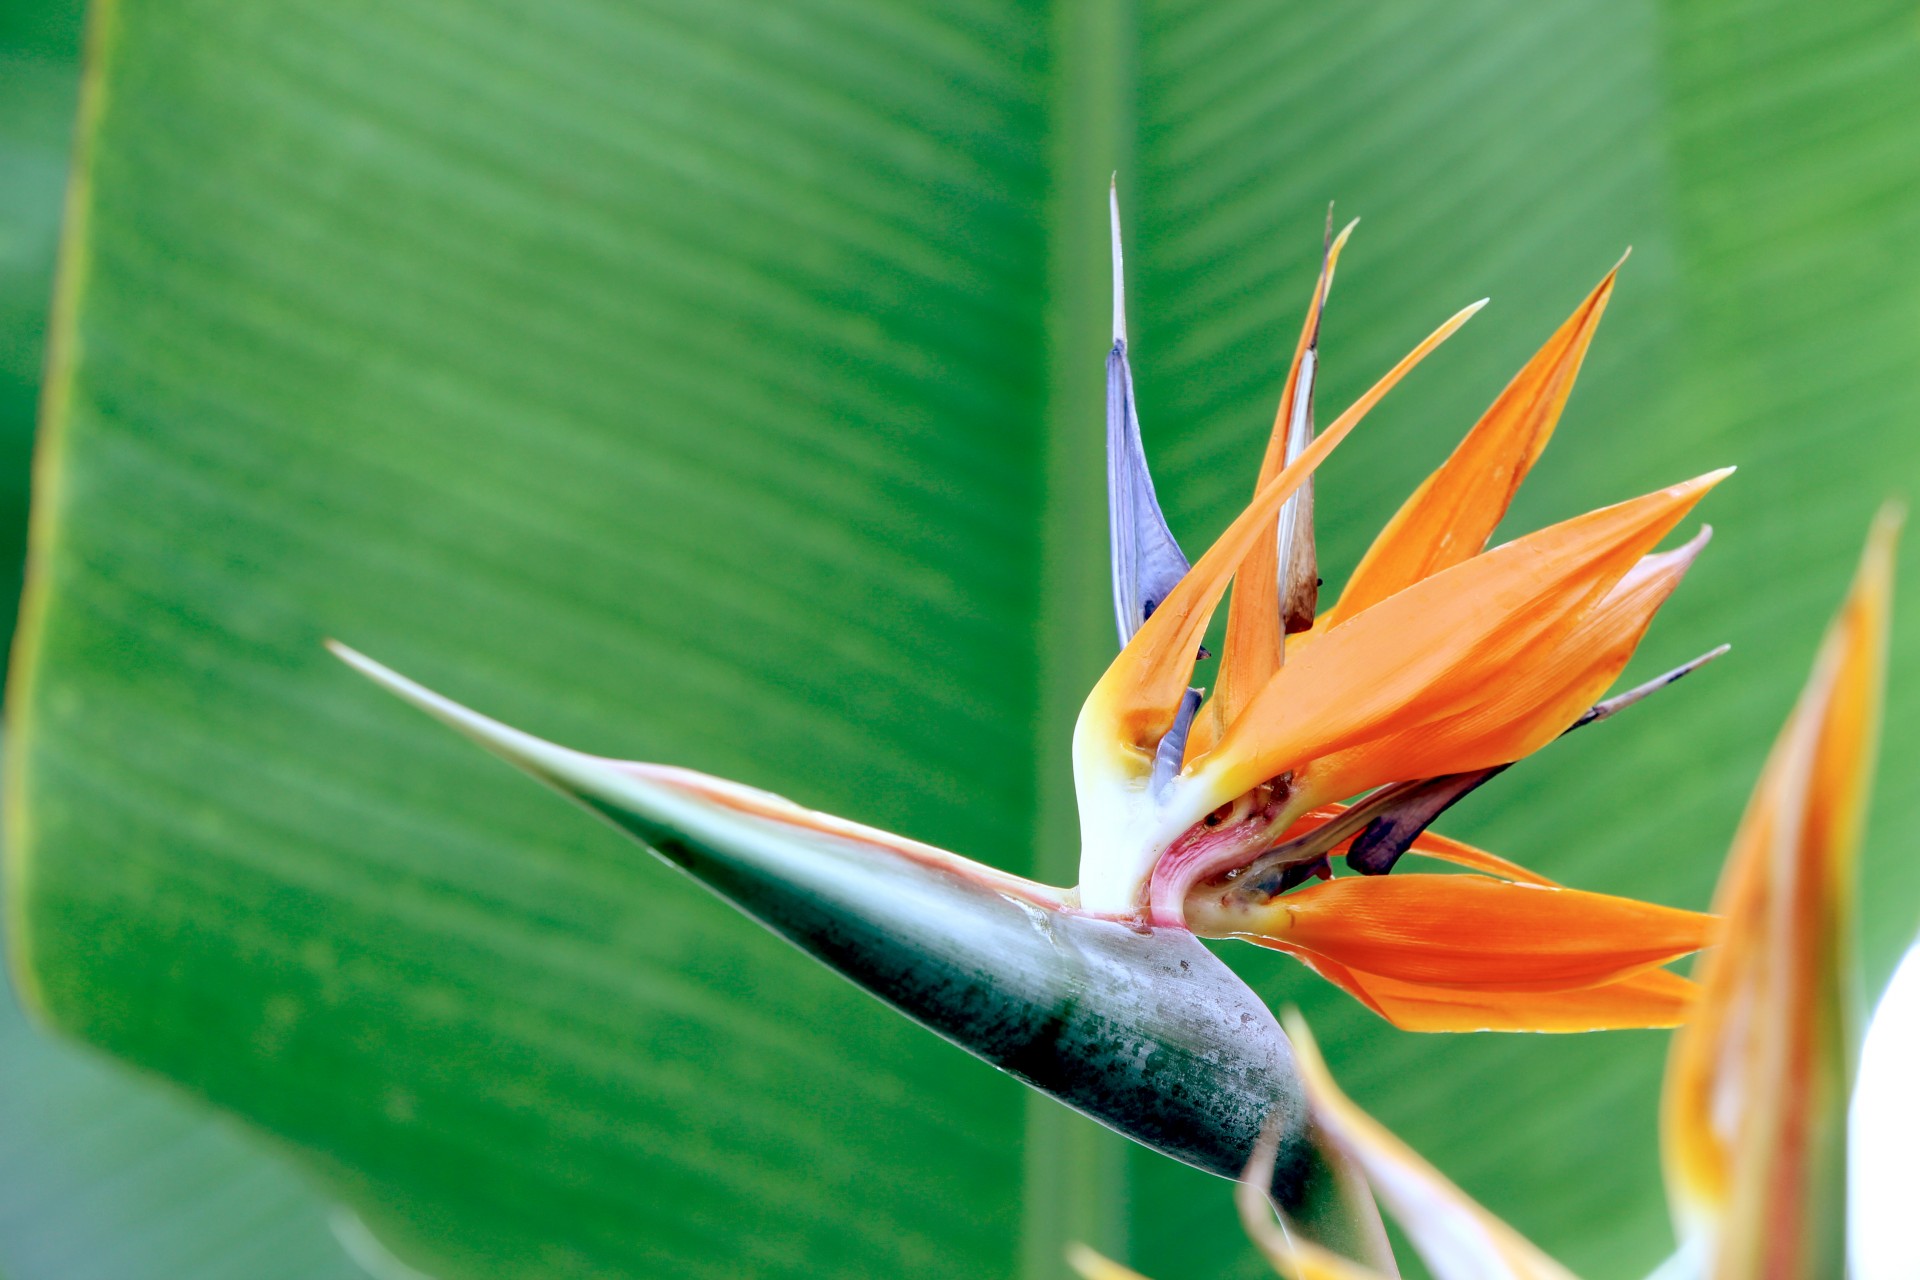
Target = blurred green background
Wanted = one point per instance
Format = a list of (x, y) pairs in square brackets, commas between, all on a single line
[(720, 384)]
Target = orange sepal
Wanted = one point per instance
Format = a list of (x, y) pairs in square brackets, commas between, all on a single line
[(1432, 651), (1254, 642), (1469, 932), (1141, 690), (1755, 1110), (1520, 706), (1455, 510), (1430, 844), (1651, 998)]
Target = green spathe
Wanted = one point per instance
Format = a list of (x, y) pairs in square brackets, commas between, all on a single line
[(1141, 1029)]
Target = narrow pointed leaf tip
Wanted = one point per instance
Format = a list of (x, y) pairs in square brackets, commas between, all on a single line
[(1147, 561), (1146, 1032), (1755, 1109)]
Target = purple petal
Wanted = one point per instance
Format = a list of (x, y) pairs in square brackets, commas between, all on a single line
[(1147, 562), (1173, 745)]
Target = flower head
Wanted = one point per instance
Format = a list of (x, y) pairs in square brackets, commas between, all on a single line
[(1440, 664), (1758, 1083)]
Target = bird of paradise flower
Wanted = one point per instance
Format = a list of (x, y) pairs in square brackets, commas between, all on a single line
[(1438, 666), (1754, 1124), (1331, 734)]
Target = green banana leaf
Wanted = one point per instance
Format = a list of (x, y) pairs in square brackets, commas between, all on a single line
[(103, 1176), (720, 384)]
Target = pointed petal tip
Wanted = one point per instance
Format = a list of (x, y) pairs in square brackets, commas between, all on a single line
[(1691, 491), (1686, 553), (1692, 547), (1888, 522), (1624, 255), (1873, 579), (1446, 329), (1119, 264)]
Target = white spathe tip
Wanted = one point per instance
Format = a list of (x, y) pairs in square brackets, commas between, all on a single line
[(537, 756)]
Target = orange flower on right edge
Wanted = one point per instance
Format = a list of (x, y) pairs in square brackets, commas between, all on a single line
[(1754, 1122), (1755, 1116)]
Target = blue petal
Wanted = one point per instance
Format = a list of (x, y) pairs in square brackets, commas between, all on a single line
[(1147, 562), (1172, 750)]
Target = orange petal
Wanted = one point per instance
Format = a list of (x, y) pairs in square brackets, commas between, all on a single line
[(1137, 697), (1518, 707), (1464, 931), (1456, 1238), (1429, 844), (1651, 998), (1453, 513), (1757, 1086), (1255, 644), (1432, 650)]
